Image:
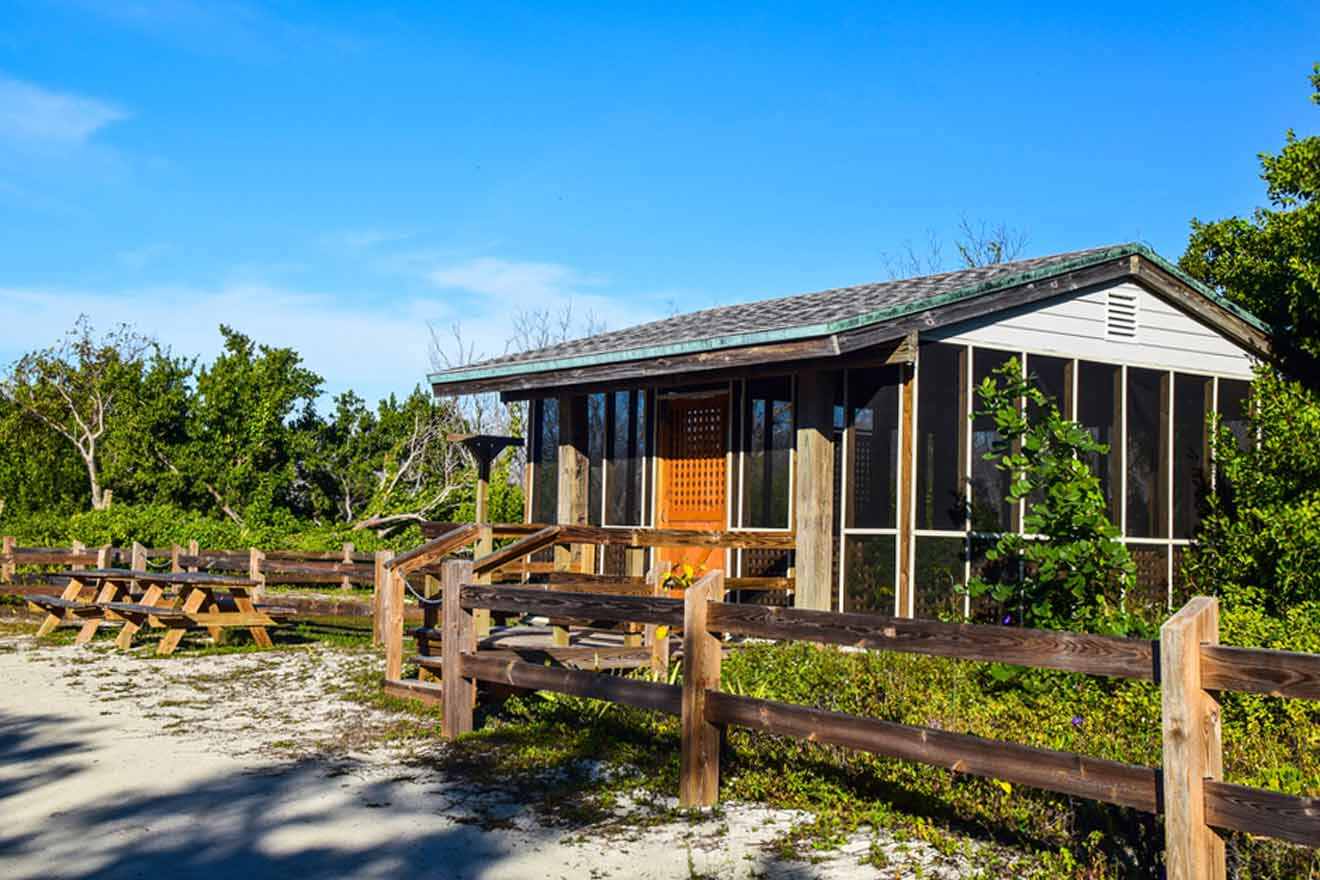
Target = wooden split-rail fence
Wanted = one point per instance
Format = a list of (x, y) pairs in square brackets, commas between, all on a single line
[(1186, 662), (345, 568)]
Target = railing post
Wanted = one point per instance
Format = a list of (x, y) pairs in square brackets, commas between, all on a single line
[(194, 550), (1192, 749), (658, 642), (459, 637), (380, 577), (103, 556), (346, 582), (175, 552), (77, 547), (699, 764), (430, 621), (393, 628), (7, 544), (255, 559), (137, 560)]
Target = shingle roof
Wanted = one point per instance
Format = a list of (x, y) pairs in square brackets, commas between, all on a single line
[(802, 315)]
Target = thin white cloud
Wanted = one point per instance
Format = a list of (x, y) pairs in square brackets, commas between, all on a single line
[(511, 280), (373, 347), (32, 114)]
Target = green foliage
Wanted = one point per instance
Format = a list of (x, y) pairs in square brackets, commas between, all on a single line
[(1270, 263), (1074, 571), (1258, 547)]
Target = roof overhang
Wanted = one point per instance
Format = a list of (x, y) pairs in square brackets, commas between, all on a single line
[(886, 330)]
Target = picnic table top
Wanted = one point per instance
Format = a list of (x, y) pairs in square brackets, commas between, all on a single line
[(179, 578)]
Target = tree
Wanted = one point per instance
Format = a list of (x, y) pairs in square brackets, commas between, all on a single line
[(252, 418), (1072, 572), (1269, 263), (977, 244), (79, 388)]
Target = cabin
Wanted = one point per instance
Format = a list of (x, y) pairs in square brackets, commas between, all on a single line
[(843, 420)]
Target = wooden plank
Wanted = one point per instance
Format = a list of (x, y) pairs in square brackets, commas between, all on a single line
[(618, 609), (347, 582), (23, 556), (435, 549), (378, 591), (699, 762), (1264, 813), (516, 550), (460, 637), (641, 537), (574, 657), (1260, 671), (403, 688), (500, 530), (654, 635), (813, 490), (1192, 749), (1063, 772), (1044, 649), (593, 685)]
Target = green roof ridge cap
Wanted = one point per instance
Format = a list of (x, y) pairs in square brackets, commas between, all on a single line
[(808, 331)]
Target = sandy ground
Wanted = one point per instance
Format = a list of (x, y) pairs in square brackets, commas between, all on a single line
[(116, 766)]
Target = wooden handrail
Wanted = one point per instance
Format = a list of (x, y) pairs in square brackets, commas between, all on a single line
[(441, 546), (522, 547)]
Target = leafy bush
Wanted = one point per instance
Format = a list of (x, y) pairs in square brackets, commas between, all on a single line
[(1073, 569)]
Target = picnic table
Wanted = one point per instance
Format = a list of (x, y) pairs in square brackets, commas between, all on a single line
[(173, 601)]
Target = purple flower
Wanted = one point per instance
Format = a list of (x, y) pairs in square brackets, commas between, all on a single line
[(1077, 721), (1008, 619)]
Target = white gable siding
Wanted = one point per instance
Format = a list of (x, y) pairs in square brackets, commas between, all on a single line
[(1074, 325)]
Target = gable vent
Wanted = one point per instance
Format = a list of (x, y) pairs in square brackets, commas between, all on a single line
[(1121, 315)]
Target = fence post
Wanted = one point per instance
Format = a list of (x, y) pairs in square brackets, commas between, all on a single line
[(175, 552), (346, 582), (77, 547), (658, 643), (699, 764), (393, 634), (103, 556), (138, 559), (7, 545), (194, 550), (430, 621), (380, 577), (255, 558), (459, 637), (1192, 749)]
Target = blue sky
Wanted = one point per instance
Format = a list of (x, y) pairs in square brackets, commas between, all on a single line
[(337, 178)]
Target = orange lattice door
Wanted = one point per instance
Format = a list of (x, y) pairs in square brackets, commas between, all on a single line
[(694, 433)]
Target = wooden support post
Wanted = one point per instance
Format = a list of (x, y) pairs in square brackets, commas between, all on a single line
[(814, 491), (394, 626), (1192, 748), (77, 548), (485, 546), (194, 550), (137, 560), (431, 621), (7, 545), (103, 554), (699, 763), (573, 471), (346, 582), (380, 577), (175, 552), (657, 637), (459, 637), (634, 560), (255, 559), (907, 432)]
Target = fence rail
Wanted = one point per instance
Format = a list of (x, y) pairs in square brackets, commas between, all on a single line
[(1186, 663)]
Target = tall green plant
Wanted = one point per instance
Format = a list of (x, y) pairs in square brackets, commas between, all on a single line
[(1073, 570)]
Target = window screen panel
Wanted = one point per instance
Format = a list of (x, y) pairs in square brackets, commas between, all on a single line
[(873, 456), (941, 421)]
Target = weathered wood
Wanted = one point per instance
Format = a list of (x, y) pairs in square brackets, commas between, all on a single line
[(97, 575), (193, 550), (1064, 772), (138, 557), (618, 609), (435, 549), (403, 688), (593, 685), (1261, 671), (907, 433), (657, 635), (523, 546), (1192, 749), (256, 559), (813, 490), (393, 630), (1045, 649), (641, 537), (1260, 812), (7, 545), (699, 762), (575, 657), (24, 556), (378, 593), (500, 530), (460, 637), (347, 582)]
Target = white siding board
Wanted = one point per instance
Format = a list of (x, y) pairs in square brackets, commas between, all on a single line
[(1074, 325)]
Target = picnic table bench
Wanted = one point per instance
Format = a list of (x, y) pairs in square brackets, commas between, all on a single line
[(174, 601)]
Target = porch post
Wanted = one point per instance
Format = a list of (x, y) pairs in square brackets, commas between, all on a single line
[(573, 466), (814, 490)]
